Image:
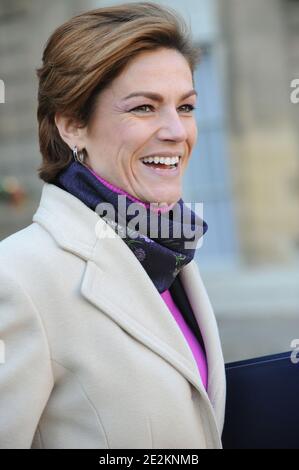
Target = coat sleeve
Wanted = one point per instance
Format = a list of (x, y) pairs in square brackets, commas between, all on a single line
[(26, 378)]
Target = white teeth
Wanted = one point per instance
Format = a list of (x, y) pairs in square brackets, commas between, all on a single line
[(164, 160)]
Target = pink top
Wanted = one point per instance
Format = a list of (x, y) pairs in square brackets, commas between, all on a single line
[(194, 345)]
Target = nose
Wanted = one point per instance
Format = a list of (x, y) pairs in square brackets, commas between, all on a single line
[(172, 128)]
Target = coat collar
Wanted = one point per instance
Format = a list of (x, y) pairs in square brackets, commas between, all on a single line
[(116, 283)]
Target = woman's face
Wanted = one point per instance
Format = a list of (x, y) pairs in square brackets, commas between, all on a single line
[(125, 129)]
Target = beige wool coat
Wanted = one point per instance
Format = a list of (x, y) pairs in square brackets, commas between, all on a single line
[(93, 357)]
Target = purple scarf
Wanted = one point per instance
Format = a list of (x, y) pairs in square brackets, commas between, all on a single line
[(162, 258)]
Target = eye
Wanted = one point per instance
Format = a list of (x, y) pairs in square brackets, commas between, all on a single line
[(139, 108), (189, 106)]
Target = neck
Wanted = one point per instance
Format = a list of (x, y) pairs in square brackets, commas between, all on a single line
[(118, 190)]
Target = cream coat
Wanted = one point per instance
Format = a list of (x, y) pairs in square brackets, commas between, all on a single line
[(93, 357)]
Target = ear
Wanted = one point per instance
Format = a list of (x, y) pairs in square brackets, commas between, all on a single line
[(70, 131)]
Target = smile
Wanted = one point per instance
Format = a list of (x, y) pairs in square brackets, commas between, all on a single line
[(165, 166)]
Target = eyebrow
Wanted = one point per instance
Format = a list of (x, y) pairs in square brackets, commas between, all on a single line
[(156, 96)]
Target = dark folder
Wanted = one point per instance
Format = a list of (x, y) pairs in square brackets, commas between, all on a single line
[(262, 403)]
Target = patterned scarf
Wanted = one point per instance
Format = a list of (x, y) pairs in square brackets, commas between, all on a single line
[(161, 257)]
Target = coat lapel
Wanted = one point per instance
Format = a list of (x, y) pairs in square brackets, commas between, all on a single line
[(116, 283)]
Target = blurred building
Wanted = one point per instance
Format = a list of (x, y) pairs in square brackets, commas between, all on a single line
[(244, 167)]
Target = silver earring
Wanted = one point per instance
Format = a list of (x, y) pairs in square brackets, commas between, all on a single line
[(78, 156)]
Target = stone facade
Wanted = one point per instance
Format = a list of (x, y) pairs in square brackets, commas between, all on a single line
[(264, 141)]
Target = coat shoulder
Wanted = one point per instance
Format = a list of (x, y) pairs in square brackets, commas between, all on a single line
[(26, 247), (28, 238)]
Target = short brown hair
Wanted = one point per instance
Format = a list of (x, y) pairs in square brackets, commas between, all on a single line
[(85, 54)]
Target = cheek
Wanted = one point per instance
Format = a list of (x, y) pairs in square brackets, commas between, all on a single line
[(192, 131), (134, 136)]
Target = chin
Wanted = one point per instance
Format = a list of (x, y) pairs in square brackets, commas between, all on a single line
[(170, 195), (168, 199)]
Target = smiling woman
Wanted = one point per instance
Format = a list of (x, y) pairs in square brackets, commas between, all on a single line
[(111, 341), (120, 134)]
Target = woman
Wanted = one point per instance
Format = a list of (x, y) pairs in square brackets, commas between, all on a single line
[(111, 341)]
